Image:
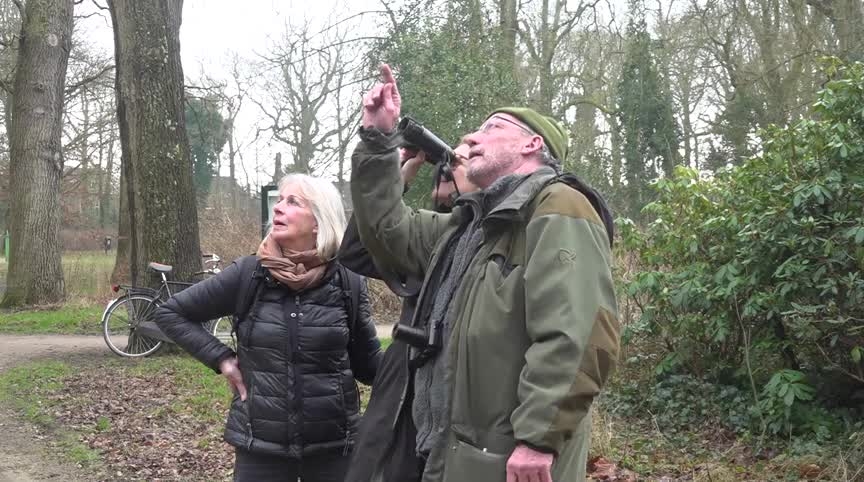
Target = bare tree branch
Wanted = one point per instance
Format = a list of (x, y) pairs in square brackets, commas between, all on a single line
[(72, 88), (20, 7)]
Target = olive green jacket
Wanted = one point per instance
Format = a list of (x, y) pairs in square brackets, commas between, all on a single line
[(535, 334)]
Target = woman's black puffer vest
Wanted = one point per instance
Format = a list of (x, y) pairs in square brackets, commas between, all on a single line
[(297, 355)]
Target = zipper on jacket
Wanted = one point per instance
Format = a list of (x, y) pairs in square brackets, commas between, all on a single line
[(294, 334), (248, 405), (347, 422), (410, 379)]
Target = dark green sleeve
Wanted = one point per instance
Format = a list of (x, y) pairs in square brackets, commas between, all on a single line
[(570, 317), (400, 239)]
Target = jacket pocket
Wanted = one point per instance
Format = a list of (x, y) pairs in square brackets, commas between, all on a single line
[(466, 462)]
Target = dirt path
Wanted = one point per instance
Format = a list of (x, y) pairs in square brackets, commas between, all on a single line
[(24, 454)]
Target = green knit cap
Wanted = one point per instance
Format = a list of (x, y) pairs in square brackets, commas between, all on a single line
[(553, 133)]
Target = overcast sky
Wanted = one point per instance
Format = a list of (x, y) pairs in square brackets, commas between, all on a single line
[(214, 30)]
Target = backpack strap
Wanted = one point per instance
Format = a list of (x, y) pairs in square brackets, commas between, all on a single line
[(247, 297), (351, 284)]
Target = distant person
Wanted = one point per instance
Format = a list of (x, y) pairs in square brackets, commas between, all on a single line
[(301, 341), (107, 244)]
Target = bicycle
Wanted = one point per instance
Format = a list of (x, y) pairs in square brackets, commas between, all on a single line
[(127, 322)]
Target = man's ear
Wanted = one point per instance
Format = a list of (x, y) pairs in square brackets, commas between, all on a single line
[(535, 144)]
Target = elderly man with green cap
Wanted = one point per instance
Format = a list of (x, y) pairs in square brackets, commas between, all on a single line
[(516, 329)]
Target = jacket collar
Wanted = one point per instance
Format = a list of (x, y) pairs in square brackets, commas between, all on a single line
[(512, 205)]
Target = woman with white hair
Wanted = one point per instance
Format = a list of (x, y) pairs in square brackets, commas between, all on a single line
[(304, 334)]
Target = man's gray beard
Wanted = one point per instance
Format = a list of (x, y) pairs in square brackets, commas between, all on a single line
[(487, 175)]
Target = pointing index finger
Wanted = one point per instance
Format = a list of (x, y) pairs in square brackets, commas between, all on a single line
[(387, 74)]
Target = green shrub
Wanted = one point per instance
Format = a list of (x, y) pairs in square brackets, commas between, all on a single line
[(753, 277), (681, 403)]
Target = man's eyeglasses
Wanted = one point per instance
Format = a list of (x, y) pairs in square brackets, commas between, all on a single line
[(487, 126)]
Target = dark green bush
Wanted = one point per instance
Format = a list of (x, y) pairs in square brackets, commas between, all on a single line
[(755, 277)]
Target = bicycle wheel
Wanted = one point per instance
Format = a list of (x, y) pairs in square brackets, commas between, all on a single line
[(221, 329), (121, 321)]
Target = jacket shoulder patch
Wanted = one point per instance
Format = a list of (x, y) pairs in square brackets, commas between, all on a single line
[(559, 198)]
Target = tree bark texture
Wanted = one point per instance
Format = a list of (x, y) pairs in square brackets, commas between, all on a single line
[(35, 272), (508, 21), (160, 193), (122, 273)]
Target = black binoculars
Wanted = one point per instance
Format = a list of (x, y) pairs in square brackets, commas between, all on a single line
[(420, 138), (428, 343), (416, 137)]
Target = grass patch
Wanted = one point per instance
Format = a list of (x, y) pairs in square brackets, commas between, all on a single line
[(77, 452), (26, 388), (87, 274), (29, 389), (198, 387), (127, 414), (69, 319)]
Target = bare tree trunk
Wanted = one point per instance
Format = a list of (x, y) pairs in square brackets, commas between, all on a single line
[(161, 194), (232, 168), (7, 112), (83, 195), (35, 271), (617, 152), (107, 188), (508, 21), (847, 18), (100, 172), (122, 272), (6, 99)]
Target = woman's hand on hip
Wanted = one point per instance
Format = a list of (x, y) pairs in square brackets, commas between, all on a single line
[(231, 371)]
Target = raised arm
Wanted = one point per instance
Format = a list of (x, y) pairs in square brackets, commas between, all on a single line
[(399, 239)]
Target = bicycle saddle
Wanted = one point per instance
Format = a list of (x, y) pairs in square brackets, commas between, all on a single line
[(162, 268)]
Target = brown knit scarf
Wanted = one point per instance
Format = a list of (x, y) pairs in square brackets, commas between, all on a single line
[(296, 269)]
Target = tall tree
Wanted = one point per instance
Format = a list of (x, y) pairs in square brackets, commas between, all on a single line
[(9, 29), (303, 76), (508, 23), (35, 273), (847, 20), (648, 127), (207, 136), (766, 55), (228, 96), (462, 91), (543, 33), (160, 193)]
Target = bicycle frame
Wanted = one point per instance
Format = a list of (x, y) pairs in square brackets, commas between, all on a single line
[(150, 328)]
